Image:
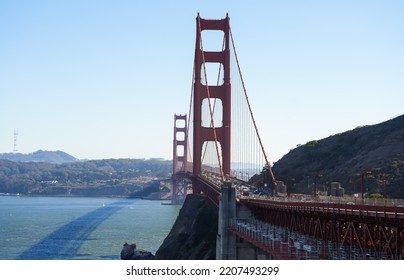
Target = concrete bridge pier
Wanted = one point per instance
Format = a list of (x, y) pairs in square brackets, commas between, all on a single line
[(226, 241), (228, 245)]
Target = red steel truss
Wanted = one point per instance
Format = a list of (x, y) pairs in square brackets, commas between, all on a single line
[(379, 229)]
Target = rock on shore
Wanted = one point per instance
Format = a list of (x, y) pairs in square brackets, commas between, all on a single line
[(129, 252)]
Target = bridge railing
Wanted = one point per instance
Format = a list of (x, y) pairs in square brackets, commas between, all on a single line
[(376, 207), (340, 208)]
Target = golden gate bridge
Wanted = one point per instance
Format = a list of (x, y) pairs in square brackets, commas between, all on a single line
[(217, 148)]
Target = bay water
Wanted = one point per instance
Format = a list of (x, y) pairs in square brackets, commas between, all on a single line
[(35, 228)]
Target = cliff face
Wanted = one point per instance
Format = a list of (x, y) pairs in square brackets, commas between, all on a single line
[(193, 235)]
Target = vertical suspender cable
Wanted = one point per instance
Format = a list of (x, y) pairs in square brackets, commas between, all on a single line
[(251, 113)]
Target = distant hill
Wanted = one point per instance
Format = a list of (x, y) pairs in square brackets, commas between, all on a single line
[(57, 157), (108, 177), (343, 157)]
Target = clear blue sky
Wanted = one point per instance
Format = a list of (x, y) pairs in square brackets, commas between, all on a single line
[(103, 79)]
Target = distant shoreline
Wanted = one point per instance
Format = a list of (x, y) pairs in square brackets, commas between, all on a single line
[(84, 196)]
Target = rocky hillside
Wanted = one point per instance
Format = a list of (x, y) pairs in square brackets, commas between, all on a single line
[(193, 236), (344, 156)]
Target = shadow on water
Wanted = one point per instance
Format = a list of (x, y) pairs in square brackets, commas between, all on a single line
[(64, 242)]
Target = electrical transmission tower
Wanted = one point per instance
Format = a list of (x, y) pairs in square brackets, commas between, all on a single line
[(15, 140)]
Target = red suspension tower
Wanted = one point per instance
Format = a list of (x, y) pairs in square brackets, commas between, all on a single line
[(218, 133), (180, 159)]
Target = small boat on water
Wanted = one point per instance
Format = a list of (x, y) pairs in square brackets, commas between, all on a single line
[(9, 194)]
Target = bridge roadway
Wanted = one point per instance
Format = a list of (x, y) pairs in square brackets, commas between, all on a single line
[(356, 230)]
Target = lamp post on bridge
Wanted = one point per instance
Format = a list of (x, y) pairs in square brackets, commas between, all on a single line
[(385, 190), (365, 171), (315, 183), (289, 186), (354, 186)]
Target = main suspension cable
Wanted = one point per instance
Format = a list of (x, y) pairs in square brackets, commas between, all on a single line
[(189, 115)]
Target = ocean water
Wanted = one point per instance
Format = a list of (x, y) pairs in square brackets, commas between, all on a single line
[(60, 228)]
